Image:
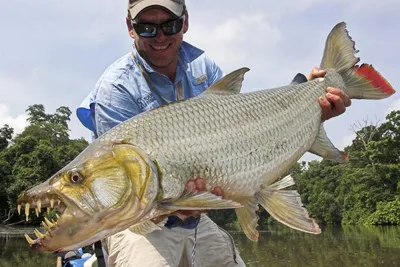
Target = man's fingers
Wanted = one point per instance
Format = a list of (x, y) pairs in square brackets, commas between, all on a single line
[(191, 186), (337, 102), (316, 73), (326, 108), (336, 91), (218, 191), (200, 184)]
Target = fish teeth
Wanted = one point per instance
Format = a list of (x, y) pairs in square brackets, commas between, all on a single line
[(39, 234), (19, 209), (30, 240), (52, 203), (49, 223), (37, 212), (48, 210), (45, 226), (27, 206), (39, 204)]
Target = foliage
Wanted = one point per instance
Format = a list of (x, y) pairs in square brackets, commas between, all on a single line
[(31, 157)]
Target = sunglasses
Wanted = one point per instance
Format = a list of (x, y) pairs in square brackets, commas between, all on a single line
[(149, 30)]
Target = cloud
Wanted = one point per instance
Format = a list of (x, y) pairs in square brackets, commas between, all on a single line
[(227, 40), (18, 123), (395, 105), (346, 141)]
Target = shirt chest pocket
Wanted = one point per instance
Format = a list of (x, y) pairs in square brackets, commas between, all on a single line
[(199, 84)]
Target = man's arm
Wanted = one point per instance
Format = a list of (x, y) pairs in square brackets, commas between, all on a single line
[(114, 106)]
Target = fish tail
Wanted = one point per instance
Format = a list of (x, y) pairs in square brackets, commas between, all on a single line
[(286, 206), (361, 82)]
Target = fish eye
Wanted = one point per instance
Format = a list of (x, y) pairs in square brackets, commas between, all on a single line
[(75, 177)]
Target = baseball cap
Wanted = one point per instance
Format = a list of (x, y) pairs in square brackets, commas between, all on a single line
[(176, 7)]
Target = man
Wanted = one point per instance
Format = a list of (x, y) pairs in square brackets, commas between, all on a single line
[(162, 68)]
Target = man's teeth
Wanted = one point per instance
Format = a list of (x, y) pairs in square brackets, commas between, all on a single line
[(159, 47)]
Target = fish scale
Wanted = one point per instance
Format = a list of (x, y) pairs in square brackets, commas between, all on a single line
[(220, 132)]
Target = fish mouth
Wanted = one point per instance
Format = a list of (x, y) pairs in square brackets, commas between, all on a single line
[(68, 215)]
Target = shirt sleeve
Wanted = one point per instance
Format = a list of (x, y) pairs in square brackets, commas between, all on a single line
[(214, 72), (119, 107)]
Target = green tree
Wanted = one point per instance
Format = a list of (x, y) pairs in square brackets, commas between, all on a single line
[(43, 148), (5, 136)]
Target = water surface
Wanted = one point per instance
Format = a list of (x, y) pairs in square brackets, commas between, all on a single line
[(278, 246)]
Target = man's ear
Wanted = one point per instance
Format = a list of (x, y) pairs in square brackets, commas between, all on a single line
[(130, 28), (186, 25)]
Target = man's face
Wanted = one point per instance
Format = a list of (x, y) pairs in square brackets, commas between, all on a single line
[(160, 51)]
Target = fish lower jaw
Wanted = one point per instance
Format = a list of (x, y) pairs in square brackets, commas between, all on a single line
[(52, 228)]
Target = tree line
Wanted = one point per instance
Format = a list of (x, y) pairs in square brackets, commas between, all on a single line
[(365, 190)]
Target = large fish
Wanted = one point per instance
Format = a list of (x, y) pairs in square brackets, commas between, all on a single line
[(134, 175)]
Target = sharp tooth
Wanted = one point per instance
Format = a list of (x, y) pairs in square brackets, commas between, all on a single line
[(27, 206), (39, 205), (48, 210), (39, 234), (58, 216), (52, 203), (30, 240), (19, 209), (37, 212), (45, 226), (49, 223), (58, 202)]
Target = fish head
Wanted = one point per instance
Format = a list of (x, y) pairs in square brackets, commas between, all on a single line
[(104, 190)]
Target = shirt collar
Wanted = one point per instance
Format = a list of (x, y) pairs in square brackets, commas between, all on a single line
[(187, 54)]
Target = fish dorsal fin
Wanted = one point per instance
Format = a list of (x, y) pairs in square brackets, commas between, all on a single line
[(229, 84)]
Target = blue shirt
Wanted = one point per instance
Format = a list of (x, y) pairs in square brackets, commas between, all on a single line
[(123, 92)]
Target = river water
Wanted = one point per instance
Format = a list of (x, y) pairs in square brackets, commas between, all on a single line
[(277, 246)]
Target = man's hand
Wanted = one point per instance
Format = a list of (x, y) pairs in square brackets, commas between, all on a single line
[(335, 101), (197, 185)]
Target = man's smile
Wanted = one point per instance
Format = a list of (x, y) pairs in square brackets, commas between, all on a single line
[(160, 48)]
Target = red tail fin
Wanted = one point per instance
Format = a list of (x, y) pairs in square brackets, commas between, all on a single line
[(375, 78)]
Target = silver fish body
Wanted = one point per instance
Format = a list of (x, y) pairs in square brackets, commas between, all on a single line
[(237, 142)]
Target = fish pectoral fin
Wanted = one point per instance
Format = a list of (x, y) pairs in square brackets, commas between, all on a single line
[(324, 148), (147, 227), (229, 84), (286, 206), (200, 201), (248, 218)]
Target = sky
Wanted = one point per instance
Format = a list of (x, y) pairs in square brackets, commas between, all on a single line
[(53, 52)]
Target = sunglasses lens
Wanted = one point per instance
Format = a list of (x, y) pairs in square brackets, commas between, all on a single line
[(145, 30), (172, 27), (150, 30)]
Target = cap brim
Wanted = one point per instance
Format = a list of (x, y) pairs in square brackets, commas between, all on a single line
[(173, 7)]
